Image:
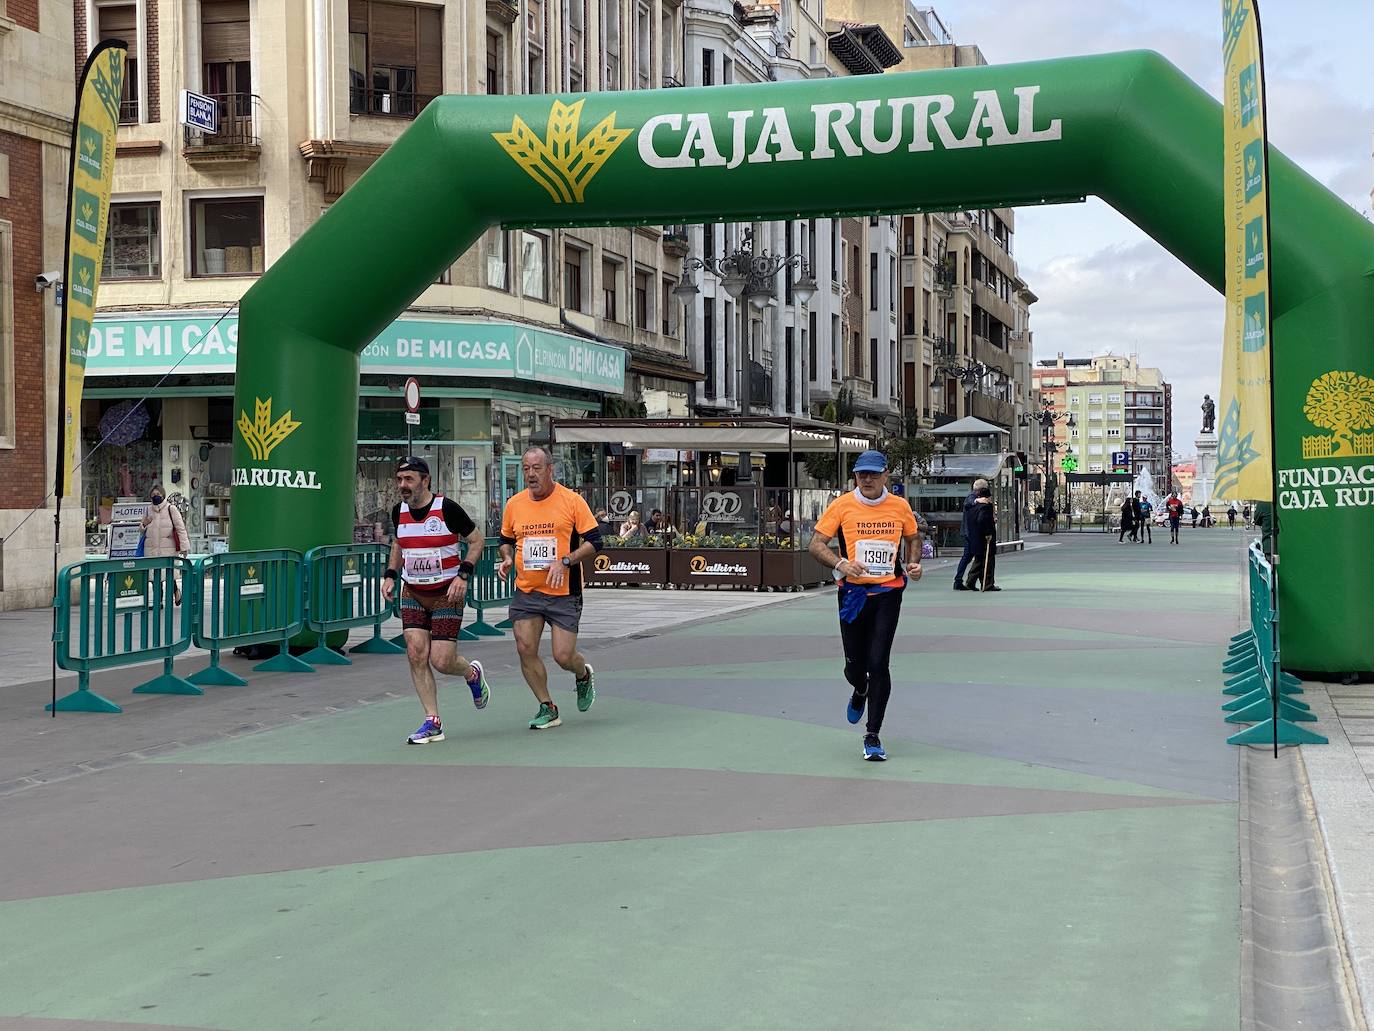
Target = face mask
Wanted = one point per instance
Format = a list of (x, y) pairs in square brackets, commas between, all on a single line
[(157, 499)]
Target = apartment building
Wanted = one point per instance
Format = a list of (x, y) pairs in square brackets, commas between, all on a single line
[(37, 94), (769, 353), (964, 311), (309, 95), (1118, 406)]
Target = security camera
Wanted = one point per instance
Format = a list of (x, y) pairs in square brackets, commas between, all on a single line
[(44, 280)]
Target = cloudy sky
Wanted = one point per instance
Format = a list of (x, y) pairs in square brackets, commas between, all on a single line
[(1103, 284)]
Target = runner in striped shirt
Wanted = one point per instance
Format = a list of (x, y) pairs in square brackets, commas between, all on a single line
[(427, 558)]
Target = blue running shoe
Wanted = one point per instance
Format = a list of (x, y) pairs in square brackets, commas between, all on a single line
[(873, 749), (854, 711), (480, 693), (431, 730)]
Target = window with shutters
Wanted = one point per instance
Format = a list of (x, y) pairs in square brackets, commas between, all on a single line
[(644, 46), (577, 46), (225, 58), (120, 21), (535, 81), (395, 57), (611, 271), (496, 63), (610, 47), (644, 295), (708, 345)]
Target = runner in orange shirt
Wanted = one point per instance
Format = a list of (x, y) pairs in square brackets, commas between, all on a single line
[(880, 550), (546, 533)]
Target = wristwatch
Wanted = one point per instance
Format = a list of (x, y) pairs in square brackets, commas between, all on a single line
[(566, 561)]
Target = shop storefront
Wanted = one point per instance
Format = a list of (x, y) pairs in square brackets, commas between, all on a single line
[(489, 390)]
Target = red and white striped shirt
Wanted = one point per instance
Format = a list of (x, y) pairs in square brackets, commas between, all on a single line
[(430, 551)]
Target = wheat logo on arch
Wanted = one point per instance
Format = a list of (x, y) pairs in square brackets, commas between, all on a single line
[(561, 162), (262, 435), (1342, 402)]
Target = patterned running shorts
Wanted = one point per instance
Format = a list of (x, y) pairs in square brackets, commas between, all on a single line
[(431, 611)]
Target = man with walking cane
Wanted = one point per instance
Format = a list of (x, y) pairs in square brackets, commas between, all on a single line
[(982, 539)]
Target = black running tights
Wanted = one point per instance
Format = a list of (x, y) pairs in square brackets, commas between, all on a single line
[(867, 651)]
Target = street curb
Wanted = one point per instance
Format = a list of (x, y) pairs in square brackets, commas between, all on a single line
[(1294, 970)]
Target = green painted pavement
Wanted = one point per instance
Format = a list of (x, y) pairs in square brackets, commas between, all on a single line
[(621, 732), (1121, 919), (815, 617), (1115, 669)]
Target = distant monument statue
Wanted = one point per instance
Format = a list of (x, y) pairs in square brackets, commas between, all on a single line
[(1209, 414)]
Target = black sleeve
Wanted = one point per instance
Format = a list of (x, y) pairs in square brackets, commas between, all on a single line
[(457, 519), (593, 537), (508, 541), (396, 516)]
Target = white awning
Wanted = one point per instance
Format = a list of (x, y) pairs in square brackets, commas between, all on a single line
[(708, 438)]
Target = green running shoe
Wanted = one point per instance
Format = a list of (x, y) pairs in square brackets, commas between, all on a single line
[(547, 717), (586, 690)]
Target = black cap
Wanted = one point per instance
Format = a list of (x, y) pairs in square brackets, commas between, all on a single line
[(413, 464)]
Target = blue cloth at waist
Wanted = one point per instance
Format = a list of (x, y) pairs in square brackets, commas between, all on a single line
[(853, 597)]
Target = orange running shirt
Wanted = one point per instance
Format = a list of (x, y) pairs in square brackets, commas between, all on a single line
[(543, 532), (872, 534)]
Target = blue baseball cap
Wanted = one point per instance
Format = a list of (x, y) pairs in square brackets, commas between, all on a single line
[(871, 462)]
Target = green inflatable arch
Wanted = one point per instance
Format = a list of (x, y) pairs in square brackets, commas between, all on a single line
[(1127, 127)]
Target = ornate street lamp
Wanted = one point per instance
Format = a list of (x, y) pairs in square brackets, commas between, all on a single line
[(743, 272)]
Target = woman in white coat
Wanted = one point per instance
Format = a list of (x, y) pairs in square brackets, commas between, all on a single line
[(164, 531)]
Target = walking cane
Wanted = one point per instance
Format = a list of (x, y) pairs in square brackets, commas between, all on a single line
[(987, 555)]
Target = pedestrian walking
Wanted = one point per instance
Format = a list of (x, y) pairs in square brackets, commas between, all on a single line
[(1195, 513), (547, 531), (1207, 519), (1147, 514), (1231, 516), (1127, 521), (1051, 518), (429, 560), (1174, 508), (971, 503), (164, 532), (1245, 515), (879, 553), (982, 570)]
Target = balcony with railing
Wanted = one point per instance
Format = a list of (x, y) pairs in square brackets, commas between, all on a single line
[(387, 103), (859, 389), (237, 137)]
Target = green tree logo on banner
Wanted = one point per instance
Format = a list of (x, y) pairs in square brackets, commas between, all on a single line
[(1342, 402)]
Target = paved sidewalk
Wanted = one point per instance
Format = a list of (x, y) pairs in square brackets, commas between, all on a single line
[(1053, 843)]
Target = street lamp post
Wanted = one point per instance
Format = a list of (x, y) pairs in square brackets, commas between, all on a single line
[(744, 273), (1047, 417)]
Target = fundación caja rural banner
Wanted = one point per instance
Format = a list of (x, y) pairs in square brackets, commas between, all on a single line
[(88, 205), (1244, 439)]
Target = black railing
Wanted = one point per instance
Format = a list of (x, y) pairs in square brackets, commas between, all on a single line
[(671, 82), (128, 111), (236, 115), (387, 103)]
